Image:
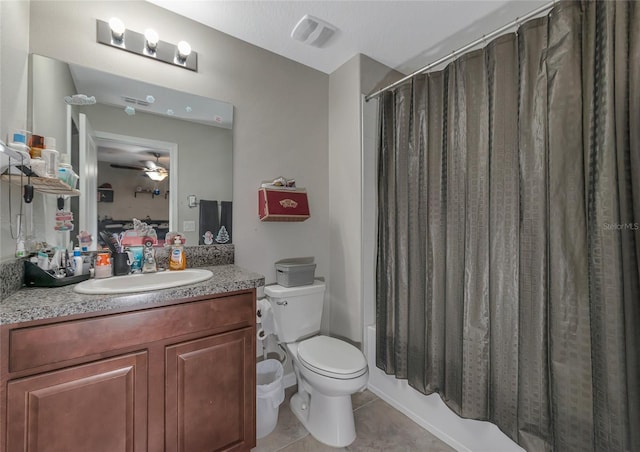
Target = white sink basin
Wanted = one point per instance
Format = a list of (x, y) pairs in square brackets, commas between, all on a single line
[(143, 282)]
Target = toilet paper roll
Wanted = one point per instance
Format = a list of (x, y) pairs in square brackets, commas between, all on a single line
[(261, 335)]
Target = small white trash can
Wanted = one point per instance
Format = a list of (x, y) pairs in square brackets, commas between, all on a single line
[(269, 395)]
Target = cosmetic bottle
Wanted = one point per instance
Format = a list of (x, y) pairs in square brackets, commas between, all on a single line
[(50, 156), (102, 266), (78, 261), (19, 144), (36, 143)]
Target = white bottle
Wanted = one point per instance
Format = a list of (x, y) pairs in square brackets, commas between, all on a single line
[(78, 262), (20, 249), (19, 144), (51, 157)]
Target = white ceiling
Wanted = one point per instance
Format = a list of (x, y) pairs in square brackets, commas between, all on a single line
[(404, 35)]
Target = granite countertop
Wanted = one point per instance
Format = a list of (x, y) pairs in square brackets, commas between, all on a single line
[(48, 303)]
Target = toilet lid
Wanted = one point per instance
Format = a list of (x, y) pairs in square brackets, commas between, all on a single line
[(324, 353)]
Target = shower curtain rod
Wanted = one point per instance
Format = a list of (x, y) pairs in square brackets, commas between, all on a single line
[(455, 53)]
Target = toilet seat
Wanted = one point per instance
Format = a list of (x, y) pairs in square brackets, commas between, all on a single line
[(332, 357)]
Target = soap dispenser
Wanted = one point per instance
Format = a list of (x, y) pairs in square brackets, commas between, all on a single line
[(177, 259), (149, 258)]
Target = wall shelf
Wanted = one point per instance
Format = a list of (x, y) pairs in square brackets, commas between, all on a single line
[(47, 185), (149, 192), (283, 205)]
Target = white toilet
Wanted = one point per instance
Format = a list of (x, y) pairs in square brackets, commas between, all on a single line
[(328, 370)]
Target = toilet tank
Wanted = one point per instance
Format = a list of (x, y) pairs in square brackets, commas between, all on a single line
[(297, 310)]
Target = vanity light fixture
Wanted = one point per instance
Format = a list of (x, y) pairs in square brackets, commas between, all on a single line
[(115, 34)]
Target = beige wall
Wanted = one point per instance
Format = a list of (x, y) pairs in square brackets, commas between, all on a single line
[(344, 200), (14, 44), (127, 202), (289, 120), (358, 76), (280, 123)]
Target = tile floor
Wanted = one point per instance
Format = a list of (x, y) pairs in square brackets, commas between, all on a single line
[(379, 427)]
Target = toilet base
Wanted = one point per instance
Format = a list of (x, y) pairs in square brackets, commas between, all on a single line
[(329, 419)]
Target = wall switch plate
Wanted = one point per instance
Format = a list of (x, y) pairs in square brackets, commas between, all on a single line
[(188, 226)]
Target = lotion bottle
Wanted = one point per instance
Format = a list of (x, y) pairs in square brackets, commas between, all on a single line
[(50, 156), (177, 260), (78, 261)]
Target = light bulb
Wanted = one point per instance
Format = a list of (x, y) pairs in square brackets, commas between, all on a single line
[(117, 28), (184, 50), (152, 38), (156, 175)]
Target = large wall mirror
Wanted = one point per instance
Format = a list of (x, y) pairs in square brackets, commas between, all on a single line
[(142, 151)]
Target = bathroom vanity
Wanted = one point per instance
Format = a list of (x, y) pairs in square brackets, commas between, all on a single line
[(171, 370)]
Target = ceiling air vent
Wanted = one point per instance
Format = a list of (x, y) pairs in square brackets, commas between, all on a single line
[(133, 100), (313, 31)]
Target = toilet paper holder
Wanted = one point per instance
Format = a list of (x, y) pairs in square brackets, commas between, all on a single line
[(261, 335)]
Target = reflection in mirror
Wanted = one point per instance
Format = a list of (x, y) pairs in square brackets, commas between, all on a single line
[(141, 151), (141, 171)]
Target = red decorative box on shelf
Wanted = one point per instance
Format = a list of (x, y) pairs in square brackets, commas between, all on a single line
[(282, 205)]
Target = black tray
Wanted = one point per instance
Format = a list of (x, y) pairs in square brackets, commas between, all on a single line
[(34, 276)]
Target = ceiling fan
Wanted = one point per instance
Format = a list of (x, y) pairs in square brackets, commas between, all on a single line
[(153, 170)]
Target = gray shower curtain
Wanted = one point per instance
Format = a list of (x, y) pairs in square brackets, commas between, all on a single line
[(508, 275)]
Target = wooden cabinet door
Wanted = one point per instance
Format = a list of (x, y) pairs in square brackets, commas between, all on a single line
[(101, 406), (210, 393)]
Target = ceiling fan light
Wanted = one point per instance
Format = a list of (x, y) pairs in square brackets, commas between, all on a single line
[(157, 176)]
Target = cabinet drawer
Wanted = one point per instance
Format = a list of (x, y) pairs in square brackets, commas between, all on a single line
[(49, 344)]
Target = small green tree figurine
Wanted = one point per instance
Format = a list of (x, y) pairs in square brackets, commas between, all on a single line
[(223, 235)]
